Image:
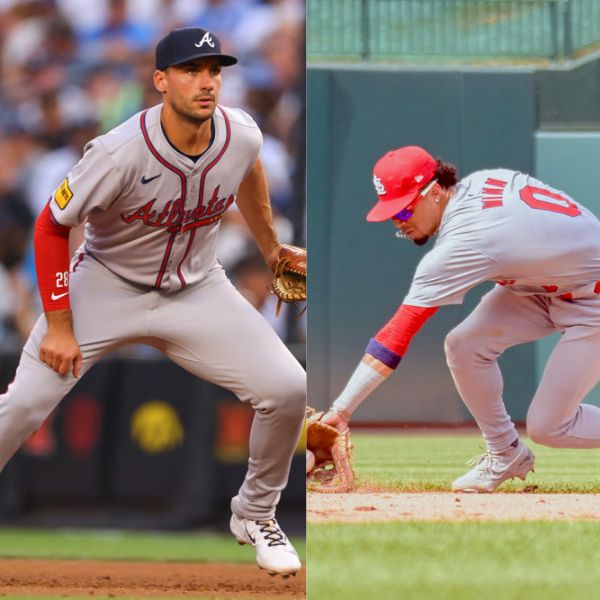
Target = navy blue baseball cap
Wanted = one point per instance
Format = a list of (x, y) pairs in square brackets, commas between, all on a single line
[(188, 43)]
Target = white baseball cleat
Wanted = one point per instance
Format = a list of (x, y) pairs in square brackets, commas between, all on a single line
[(274, 553), (492, 468)]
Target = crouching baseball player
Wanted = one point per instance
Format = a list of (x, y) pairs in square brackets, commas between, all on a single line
[(153, 191), (543, 251)]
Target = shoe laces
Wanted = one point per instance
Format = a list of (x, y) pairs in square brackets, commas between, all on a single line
[(272, 533), (486, 460)]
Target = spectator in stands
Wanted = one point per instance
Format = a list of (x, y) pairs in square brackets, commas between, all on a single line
[(67, 75)]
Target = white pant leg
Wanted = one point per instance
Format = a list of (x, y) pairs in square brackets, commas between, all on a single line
[(106, 313), (31, 397), (501, 320), (556, 416), (214, 333)]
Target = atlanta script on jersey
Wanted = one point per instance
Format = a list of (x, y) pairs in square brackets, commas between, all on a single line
[(153, 213)]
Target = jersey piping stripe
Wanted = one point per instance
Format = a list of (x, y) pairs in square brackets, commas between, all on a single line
[(201, 190), (217, 158), (79, 261), (182, 177), (188, 247)]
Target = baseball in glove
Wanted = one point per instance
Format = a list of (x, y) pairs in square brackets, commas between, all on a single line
[(332, 472), (289, 276)]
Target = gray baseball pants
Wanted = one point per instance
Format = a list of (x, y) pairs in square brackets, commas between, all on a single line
[(556, 416), (208, 329)]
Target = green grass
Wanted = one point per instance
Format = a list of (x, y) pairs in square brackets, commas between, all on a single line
[(452, 561), (117, 545), (409, 462), (520, 560)]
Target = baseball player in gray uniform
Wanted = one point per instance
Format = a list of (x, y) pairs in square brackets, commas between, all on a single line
[(543, 251), (153, 191)]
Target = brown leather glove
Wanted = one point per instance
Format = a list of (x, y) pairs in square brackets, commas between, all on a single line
[(332, 472), (289, 275)]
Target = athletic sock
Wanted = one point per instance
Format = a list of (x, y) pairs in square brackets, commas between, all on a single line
[(363, 381)]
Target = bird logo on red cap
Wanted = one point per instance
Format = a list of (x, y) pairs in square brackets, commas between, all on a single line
[(379, 188)]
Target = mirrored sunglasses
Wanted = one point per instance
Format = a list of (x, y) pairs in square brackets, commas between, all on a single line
[(406, 213)]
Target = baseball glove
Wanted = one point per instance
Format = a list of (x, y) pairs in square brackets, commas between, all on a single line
[(289, 276), (332, 472)]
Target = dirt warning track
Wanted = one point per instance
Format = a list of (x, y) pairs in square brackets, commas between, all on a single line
[(143, 579)]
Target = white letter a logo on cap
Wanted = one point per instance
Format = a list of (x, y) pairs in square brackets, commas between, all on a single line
[(206, 39)]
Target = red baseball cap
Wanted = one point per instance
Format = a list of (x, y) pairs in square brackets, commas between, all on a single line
[(398, 176)]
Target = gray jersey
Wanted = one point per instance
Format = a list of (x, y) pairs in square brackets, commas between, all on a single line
[(153, 213), (511, 228)]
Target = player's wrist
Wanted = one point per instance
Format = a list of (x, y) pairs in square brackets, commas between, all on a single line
[(272, 254), (59, 320)]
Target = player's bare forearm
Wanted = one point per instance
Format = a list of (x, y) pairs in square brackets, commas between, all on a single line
[(255, 206), (59, 348)]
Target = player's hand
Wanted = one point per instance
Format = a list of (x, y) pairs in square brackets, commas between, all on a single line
[(59, 348), (294, 255), (336, 420)]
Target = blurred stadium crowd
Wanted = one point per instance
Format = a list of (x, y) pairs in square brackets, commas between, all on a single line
[(73, 69)]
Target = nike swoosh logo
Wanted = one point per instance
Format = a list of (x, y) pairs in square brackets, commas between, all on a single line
[(58, 296), (145, 181), (253, 539)]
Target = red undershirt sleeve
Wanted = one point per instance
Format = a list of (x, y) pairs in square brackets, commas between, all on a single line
[(51, 245), (392, 340)]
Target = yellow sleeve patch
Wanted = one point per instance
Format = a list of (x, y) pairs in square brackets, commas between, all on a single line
[(63, 194)]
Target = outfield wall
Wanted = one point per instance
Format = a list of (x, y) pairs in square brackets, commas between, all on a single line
[(359, 272)]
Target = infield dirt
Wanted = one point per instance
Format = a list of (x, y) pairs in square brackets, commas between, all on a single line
[(143, 579), (369, 506)]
